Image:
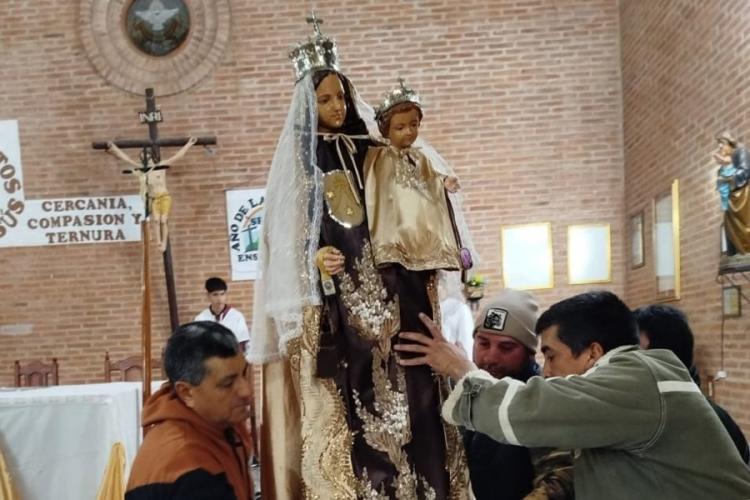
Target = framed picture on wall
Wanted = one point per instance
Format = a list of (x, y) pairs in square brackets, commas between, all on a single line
[(589, 254), (667, 243), (636, 241), (731, 305), (527, 256)]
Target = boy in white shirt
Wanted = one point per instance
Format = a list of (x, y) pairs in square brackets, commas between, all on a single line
[(221, 312)]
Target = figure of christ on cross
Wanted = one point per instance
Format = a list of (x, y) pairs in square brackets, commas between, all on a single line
[(153, 184)]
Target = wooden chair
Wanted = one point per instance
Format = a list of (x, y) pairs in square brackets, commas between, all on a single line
[(130, 368), (37, 374)]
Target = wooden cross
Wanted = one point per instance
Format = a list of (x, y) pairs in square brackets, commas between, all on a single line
[(152, 147)]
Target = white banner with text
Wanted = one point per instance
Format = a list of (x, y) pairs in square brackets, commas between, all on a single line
[(58, 221), (244, 219)]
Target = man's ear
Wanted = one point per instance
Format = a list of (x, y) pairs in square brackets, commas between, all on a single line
[(596, 351), (184, 391)]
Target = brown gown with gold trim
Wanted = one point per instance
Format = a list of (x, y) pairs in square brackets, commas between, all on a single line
[(355, 439)]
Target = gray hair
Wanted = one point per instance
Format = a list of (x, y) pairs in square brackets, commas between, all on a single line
[(191, 345)]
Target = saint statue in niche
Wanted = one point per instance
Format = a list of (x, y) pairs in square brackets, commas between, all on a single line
[(732, 184)]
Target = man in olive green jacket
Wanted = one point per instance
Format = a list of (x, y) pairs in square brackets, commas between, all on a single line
[(638, 425)]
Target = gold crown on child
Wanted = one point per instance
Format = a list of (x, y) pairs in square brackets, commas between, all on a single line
[(398, 95), (318, 52)]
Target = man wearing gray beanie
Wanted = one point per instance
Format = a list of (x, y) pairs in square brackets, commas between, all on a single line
[(510, 317), (504, 345)]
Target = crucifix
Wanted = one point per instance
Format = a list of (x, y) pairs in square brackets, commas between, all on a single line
[(151, 173), (153, 185)]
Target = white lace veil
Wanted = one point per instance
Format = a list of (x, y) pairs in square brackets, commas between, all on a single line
[(291, 227)]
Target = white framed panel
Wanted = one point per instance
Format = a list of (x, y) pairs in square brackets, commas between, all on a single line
[(589, 257), (527, 256), (667, 243)]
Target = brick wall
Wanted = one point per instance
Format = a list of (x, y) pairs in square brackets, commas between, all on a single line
[(685, 78), (524, 98)]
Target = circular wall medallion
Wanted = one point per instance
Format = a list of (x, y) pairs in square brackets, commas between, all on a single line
[(169, 45), (157, 27)]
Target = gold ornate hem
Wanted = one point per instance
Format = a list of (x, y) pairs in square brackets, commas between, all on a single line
[(327, 471), (439, 256)]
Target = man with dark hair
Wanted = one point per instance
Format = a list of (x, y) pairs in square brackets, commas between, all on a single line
[(197, 447), (637, 422), (221, 312), (576, 332), (666, 327)]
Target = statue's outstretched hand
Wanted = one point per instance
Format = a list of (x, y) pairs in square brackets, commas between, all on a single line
[(451, 184)]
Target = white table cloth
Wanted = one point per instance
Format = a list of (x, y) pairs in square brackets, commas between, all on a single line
[(56, 440)]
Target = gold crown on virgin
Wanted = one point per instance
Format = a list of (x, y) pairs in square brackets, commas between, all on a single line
[(398, 95), (318, 52)]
